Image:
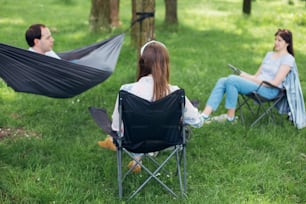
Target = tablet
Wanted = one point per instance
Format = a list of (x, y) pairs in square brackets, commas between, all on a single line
[(234, 69)]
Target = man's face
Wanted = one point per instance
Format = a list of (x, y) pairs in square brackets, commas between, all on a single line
[(45, 43)]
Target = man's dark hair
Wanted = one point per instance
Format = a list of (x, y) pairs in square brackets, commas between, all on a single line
[(33, 32)]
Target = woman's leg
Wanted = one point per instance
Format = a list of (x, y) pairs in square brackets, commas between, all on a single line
[(235, 85), (232, 86), (231, 113), (215, 97)]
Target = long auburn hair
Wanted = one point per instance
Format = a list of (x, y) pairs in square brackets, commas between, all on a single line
[(154, 60), (287, 37)]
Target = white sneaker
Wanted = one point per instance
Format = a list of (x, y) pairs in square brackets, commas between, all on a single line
[(153, 154), (206, 120), (223, 118), (220, 118)]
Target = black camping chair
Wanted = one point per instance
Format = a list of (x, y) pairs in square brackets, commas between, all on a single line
[(149, 127), (264, 106)]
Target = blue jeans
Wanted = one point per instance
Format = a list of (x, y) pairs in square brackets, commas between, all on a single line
[(231, 86)]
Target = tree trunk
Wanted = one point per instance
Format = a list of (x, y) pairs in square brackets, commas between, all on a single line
[(104, 14), (171, 12), (247, 6), (142, 31), (114, 15)]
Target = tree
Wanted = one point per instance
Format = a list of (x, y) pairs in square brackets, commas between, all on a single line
[(104, 14), (246, 8), (171, 12), (143, 30), (114, 15)]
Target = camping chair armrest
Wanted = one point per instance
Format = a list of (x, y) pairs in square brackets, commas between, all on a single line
[(114, 135), (266, 83), (269, 84)]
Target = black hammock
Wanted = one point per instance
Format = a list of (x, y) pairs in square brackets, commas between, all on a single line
[(77, 71)]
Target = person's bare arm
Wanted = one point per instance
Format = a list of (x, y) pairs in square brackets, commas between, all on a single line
[(252, 77), (281, 75)]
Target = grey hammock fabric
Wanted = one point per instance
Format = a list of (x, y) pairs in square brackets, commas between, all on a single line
[(77, 71)]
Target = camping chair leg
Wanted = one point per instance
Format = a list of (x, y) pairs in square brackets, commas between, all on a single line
[(259, 118), (185, 169), (157, 164), (263, 106), (153, 175), (180, 161), (178, 166), (240, 111), (245, 101), (267, 112), (182, 156), (119, 161)]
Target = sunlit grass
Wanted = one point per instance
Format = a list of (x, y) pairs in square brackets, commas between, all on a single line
[(60, 161)]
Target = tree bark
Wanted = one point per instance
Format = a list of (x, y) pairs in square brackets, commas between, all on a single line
[(104, 14), (142, 31), (114, 15), (171, 12), (247, 6)]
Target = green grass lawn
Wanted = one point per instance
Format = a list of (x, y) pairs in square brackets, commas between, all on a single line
[(50, 153)]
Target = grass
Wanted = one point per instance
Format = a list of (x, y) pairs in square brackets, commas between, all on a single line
[(50, 154)]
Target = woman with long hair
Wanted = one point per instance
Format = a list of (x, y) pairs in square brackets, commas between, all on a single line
[(152, 84), (274, 69)]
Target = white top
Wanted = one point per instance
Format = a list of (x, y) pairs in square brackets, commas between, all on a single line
[(144, 89), (49, 53), (270, 66)]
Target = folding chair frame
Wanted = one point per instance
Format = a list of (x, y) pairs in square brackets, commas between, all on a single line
[(264, 106), (179, 152)]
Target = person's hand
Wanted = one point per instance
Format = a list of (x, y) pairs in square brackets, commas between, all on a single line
[(242, 74)]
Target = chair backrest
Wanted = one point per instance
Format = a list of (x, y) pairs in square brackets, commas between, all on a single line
[(151, 126)]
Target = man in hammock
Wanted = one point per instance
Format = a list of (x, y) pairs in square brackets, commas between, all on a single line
[(40, 40)]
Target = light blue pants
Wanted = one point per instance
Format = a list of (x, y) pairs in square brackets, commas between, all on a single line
[(231, 86)]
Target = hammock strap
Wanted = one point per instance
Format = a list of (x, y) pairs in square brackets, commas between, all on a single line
[(142, 16)]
